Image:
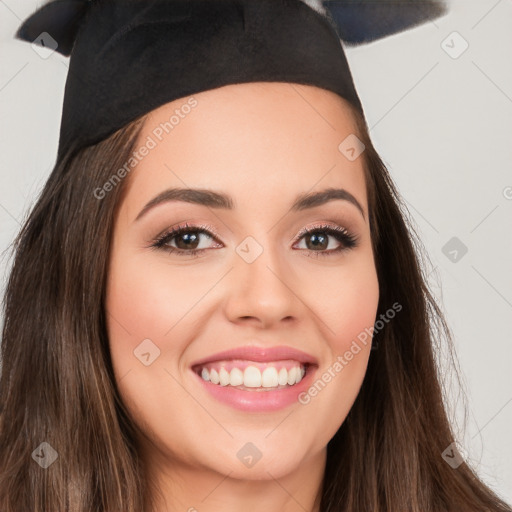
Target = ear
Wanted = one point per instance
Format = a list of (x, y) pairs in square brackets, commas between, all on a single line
[(362, 21), (60, 18)]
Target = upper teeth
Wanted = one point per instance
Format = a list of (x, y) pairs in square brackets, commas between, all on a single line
[(252, 377)]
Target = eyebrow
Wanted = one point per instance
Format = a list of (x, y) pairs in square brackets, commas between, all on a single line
[(219, 200)]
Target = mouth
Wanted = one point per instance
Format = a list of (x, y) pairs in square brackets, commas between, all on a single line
[(252, 375), (255, 379)]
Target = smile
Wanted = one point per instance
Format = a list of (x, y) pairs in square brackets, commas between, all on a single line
[(250, 375), (246, 387)]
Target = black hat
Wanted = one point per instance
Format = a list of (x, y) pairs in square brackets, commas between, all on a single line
[(128, 57)]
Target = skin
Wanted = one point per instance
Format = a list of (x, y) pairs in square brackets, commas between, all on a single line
[(263, 144)]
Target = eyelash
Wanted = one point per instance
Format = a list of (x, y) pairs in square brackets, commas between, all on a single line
[(348, 240)]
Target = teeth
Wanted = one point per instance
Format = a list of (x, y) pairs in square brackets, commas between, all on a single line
[(236, 377), (224, 377), (269, 377), (291, 376), (283, 376), (251, 377), (214, 377)]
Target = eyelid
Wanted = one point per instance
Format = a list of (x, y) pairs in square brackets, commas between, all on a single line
[(344, 236), (187, 226), (214, 233), (322, 225)]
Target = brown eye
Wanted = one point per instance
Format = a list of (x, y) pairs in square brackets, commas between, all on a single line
[(186, 240), (317, 240)]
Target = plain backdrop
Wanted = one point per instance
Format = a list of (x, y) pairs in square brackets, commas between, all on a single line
[(438, 99)]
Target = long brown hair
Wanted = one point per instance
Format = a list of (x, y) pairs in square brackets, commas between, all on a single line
[(387, 454), (57, 384)]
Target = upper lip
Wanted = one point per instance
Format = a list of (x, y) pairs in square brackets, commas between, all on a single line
[(260, 354)]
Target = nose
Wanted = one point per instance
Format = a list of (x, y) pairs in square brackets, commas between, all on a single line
[(263, 292)]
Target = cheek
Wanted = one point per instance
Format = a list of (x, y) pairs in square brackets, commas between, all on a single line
[(346, 304), (152, 308), (354, 309), (138, 314), (146, 300), (147, 314), (345, 298)]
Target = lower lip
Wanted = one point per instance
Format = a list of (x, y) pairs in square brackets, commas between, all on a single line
[(258, 401)]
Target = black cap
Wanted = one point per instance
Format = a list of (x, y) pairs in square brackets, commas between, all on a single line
[(128, 57)]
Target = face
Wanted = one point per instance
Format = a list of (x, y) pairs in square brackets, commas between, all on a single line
[(243, 273)]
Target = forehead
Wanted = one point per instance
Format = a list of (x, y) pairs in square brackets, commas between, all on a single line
[(259, 141)]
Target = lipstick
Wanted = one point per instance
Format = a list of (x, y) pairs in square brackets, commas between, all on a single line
[(256, 379)]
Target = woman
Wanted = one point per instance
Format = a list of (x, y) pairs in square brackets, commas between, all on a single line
[(191, 313)]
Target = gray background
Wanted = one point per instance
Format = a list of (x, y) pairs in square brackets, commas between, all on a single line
[(443, 124)]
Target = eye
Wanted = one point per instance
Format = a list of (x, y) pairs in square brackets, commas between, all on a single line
[(185, 240), (319, 239)]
